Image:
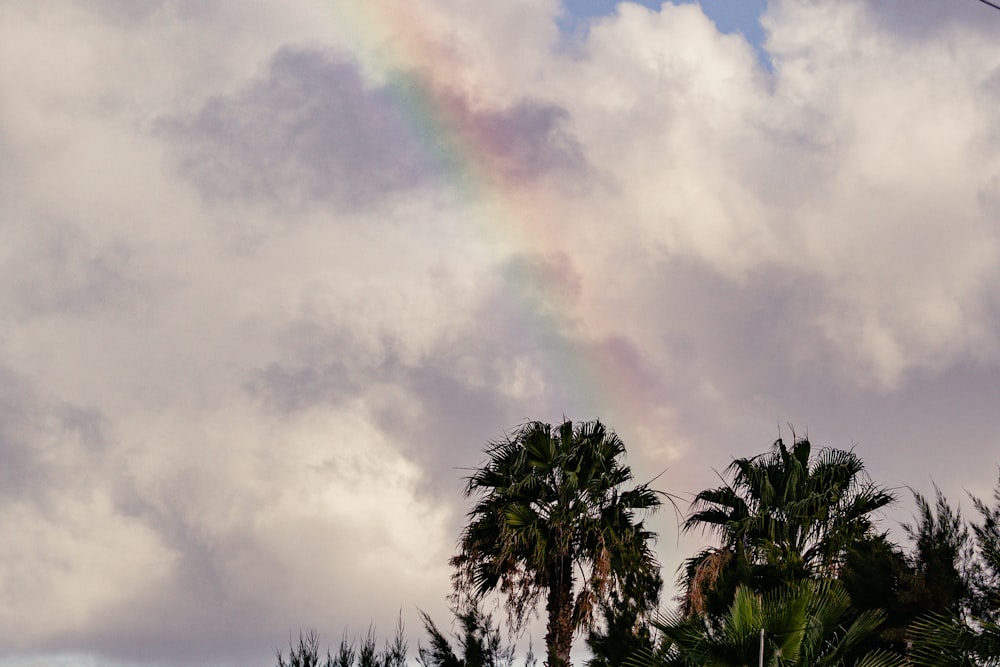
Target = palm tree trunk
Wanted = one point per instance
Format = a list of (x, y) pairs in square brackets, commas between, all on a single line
[(559, 631)]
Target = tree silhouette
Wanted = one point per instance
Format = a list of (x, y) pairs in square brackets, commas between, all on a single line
[(555, 518), (783, 516)]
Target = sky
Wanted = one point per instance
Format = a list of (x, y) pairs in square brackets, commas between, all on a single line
[(273, 274)]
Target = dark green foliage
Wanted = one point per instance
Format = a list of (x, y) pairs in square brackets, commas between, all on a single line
[(626, 627), (966, 633), (367, 654), (349, 654), (806, 623), (784, 516), (479, 643), (941, 600), (986, 583), (878, 575), (305, 653), (345, 653), (942, 558), (440, 653), (555, 519), (944, 641), (394, 654)]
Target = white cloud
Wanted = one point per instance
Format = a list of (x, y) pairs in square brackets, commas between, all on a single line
[(860, 161)]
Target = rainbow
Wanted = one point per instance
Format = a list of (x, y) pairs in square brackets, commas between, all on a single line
[(591, 379)]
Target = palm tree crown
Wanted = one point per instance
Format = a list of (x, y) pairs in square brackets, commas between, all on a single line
[(784, 516), (554, 502)]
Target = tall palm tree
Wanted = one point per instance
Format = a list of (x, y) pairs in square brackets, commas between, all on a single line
[(784, 516), (553, 504), (807, 623)]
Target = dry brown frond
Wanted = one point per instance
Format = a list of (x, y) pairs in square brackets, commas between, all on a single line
[(706, 574)]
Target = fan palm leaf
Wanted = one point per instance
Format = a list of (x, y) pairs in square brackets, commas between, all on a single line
[(807, 624)]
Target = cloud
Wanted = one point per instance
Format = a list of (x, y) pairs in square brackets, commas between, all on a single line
[(308, 130), (857, 164), (312, 131)]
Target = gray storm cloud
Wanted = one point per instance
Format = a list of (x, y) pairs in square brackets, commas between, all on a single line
[(311, 131)]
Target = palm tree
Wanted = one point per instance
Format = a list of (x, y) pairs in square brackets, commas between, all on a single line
[(945, 641), (807, 623), (784, 516), (553, 504)]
